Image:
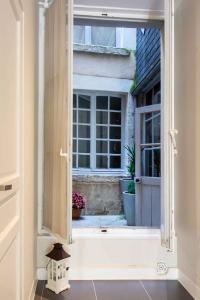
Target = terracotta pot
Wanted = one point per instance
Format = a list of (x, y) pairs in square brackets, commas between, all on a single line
[(76, 213)]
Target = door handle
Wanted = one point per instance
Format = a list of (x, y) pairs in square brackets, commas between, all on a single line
[(138, 180), (63, 154), (5, 187)]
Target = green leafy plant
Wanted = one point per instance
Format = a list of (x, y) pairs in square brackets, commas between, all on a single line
[(131, 187), (131, 159)]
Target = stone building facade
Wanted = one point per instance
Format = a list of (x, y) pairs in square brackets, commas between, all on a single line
[(100, 73)]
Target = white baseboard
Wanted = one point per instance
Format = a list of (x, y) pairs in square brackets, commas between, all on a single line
[(32, 291), (189, 285), (114, 274)]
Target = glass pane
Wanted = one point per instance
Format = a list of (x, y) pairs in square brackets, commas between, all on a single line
[(84, 161), (115, 162), (84, 131), (83, 101), (102, 117), (151, 132), (156, 160), (83, 146), (149, 98), (74, 130), (115, 133), (115, 118), (74, 161), (79, 34), (146, 162), (156, 88), (102, 102), (102, 132), (101, 147), (101, 162), (115, 103), (74, 116), (103, 36), (74, 100), (74, 145), (84, 116), (148, 128), (156, 127), (115, 147)]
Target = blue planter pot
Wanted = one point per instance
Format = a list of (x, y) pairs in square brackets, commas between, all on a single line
[(124, 184), (129, 208)]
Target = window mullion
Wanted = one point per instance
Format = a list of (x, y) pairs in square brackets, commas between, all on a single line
[(93, 133), (108, 154)]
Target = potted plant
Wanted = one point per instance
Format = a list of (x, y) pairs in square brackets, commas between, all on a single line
[(129, 204), (124, 182), (78, 203)]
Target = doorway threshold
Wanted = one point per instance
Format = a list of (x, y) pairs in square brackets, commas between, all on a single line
[(117, 233)]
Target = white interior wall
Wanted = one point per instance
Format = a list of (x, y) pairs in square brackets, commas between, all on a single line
[(187, 121)]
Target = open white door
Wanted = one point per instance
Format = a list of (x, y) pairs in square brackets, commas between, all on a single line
[(147, 180), (58, 118)]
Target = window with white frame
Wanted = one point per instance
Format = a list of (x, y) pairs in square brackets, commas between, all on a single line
[(79, 34), (103, 36), (95, 35), (150, 148), (97, 132)]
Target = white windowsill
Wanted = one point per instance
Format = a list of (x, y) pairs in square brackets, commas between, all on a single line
[(115, 233), (105, 172)]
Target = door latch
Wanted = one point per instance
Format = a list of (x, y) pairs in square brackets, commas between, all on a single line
[(138, 180), (63, 154), (5, 187), (173, 134)]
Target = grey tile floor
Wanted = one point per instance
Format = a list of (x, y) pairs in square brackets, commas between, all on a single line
[(100, 221), (117, 290)]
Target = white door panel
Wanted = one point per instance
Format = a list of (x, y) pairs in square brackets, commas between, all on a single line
[(10, 105), (8, 282)]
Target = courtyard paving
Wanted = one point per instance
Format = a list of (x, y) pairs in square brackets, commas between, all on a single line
[(100, 221)]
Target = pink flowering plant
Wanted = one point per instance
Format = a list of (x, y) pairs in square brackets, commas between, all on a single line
[(78, 201)]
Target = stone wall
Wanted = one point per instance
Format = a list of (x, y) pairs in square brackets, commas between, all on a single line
[(110, 70), (104, 62), (102, 193)]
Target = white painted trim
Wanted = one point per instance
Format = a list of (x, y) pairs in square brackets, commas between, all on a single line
[(127, 233), (140, 15), (114, 274), (40, 117), (189, 285), (167, 124), (32, 290), (93, 138)]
